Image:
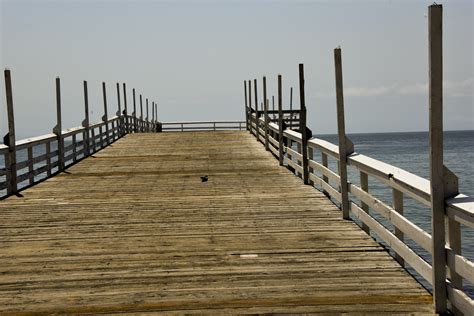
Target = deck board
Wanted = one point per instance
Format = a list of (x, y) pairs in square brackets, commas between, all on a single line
[(133, 229)]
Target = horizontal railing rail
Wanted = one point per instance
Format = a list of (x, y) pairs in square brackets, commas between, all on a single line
[(38, 158), (202, 125), (459, 210), (434, 254)]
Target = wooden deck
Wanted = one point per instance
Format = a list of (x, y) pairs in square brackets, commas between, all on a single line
[(134, 229)]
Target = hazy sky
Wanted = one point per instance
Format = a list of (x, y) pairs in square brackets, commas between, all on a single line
[(192, 57)]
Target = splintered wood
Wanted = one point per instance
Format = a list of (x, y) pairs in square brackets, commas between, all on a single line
[(137, 228)]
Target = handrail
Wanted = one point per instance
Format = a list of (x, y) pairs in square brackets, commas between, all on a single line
[(200, 122), (84, 141), (459, 209)]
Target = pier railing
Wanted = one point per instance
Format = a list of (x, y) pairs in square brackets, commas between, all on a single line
[(459, 209), (202, 126), (446, 269), (26, 162)]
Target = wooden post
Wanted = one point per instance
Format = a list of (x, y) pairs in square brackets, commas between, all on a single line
[(147, 127), (105, 117), (273, 106), (246, 106), (58, 128), (85, 122), (9, 139), (134, 114), (291, 107), (158, 124), (119, 113), (153, 112), (364, 185), (48, 158), (126, 120), (249, 113), (257, 132), (303, 129), (265, 110), (443, 182), (280, 124), (31, 177), (345, 145), (397, 203), (141, 114)]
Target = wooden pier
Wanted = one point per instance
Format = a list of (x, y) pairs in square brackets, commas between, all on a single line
[(135, 215), (134, 229)]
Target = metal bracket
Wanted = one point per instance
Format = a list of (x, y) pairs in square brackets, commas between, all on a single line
[(6, 139), (451, 186), (56, 130), (349, 146)]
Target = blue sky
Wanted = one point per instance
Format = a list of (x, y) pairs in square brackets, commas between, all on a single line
[(192, 57)]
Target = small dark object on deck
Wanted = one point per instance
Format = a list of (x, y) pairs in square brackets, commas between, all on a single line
[(204, 179)]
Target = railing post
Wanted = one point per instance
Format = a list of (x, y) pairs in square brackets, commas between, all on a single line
[(273, 106), (345, 145), (85, 122), (134, 114), (257, 133), (74, 148), (364, 185), (105, 117), (48, 158), (304, 131), (153, 116), (9, 139), (119, 113), (265, 111), (246, 106), (147, 124), (141, 114), (31, 177), (443, 183), (126, 120), (249, 113), (397, 204), (58, 128), (291, 108), (281, 152), (159, 127)]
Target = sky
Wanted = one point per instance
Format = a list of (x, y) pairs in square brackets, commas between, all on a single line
[(191, 57)]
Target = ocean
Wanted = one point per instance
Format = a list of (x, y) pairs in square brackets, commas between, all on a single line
[(408, 151)]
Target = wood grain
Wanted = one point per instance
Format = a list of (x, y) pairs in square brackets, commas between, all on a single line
[(134, 229)]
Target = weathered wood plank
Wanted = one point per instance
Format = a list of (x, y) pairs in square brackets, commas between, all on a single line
[(134, 229)]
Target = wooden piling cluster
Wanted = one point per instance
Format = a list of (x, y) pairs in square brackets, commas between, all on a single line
[(441, 193), (82, 141)]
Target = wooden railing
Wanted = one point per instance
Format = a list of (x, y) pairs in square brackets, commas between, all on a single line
[(40, 157), (445, 269), (459, 209), (202, 126)]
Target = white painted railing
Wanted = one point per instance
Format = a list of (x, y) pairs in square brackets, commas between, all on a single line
[(459, 209)]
